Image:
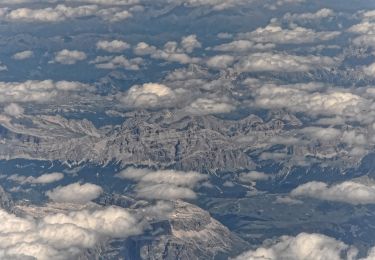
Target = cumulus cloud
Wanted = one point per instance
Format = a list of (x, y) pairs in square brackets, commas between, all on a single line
[(253, 176), (296, 35), (75, 193), (172, 51), (112, 46), (37, 91), (23, 55), (63, 235), (106, 2), (62, 12), (318, 15), (217, 5), (283, 62), (69, 57), (311, 98), (303, 246), (220, 61), (42, 179), (204, 106), (115, 62), (243, 46), (163, 184), (13, 110), (148, 95), (348, 192)]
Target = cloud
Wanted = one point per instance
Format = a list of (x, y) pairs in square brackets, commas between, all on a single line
[(23, 55), (220, 61), (112, 46), (253, 176), (282, 62), (38, 91), (42, 179), (163, 184), (311, 98), (75, 193), (172, 51), (63, 235), (107, 2), (303, 246), (295, 35), (148, 95), (243, 46), (190, 42), (348, 192), (318, 15), (217, 5), (69, 57), (13, 110), (62, 12), (203, 106), (116, 62)]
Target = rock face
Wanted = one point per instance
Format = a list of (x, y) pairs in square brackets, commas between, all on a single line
[(188, 232), (6, 201), (201, 143)]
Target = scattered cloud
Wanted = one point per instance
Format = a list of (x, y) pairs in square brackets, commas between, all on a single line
[(348, 192), (303, 246), (23, 55), (148, 95), (112, 46), (75, 193), (295, 35), (63, 12), (163, 184), (172, 51), (42, 179), (13, 109), (318, 15), (69, 57), (252, 176), (117, 62), (37, 91), (282, 62), (63, 235)]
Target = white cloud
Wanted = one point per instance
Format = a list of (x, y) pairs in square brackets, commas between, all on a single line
[(148, 95), (62, 12), (347, 192), (190, 42), (69, 57), (311, 98), (303, 246), (23, 55), (107, 2), (243, 46), (253, 176), (163, 184), (112, 46), (217, 5), (220, 61), (13, 110), (63, 235), (115, 62), (38, 91), (75, 193), (42, 179), (172, 51), (204, 106), (295, 35), (282, 62), (318, 15)]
